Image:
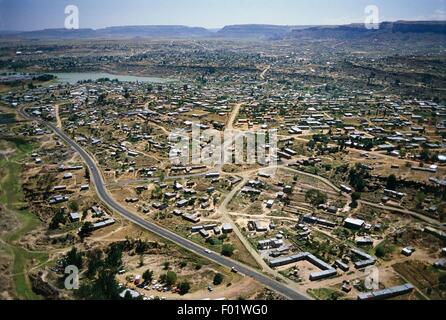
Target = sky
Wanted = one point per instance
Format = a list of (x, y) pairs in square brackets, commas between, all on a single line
[(25, 15)]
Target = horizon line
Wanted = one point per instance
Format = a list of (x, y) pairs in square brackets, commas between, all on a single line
[(220, 28)]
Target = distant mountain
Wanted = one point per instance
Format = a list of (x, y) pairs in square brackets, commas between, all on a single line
[(53, 34), (248, 31), (359, 30), (257, 31), (154, 32), (115, 32)]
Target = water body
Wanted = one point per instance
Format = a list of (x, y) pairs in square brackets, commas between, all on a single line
[(74, 77)]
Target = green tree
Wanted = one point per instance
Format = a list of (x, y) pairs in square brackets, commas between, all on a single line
[(94, 263), (442, 282), (74, 207), (355, 197), (316, 197), (419, 199), (86, 229), (105, 287), (227, 250), (73, 258), (184, 288), (58, 219), (169, 278), (114, 257), (147, 276), (218, 279), (392, 182), (380, 251)]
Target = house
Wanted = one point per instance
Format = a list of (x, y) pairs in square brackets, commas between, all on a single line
[(288, 189), (204, 233), (213, 175), (257, 226), (177, 186), (97, 212), (314, 220), (435, 232), (269, 204), (290, 152), (408, 251), (364, 263), (74, 217), (332, 209), (227, 228), (170, 195), (341, 265), (58, 199), (182, 203), (195, 229), (387, 293), (346, 189), (364, 241), (280, 251), (132, 154), (270, 243), (284, 155), (191, 218), (103, 224), (251, 191), (178, 213), (394, 194), (354, 224), (440, 264), (366, 259), (160, 206), (67, 176)]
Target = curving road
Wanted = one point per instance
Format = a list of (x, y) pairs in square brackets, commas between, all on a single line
[(103, 194)]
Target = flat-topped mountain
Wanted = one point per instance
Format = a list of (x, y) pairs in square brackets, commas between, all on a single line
[(247, 31), (115, 32), (255, 31)]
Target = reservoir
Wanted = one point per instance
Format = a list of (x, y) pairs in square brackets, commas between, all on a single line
[(74, 77)]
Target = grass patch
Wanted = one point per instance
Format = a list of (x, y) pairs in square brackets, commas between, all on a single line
[(326, 294), (423, 276), (12, 198)]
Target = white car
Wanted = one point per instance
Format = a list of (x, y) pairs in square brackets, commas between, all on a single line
[(207, 251)]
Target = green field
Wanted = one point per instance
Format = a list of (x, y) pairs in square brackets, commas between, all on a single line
[(12, 199)]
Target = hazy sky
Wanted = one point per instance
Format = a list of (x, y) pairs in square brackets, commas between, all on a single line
[(40, 14)]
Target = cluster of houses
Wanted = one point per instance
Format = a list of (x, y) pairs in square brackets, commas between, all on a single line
[(205, 230)]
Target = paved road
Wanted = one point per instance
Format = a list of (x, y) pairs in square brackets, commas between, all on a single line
[(189, 245)]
